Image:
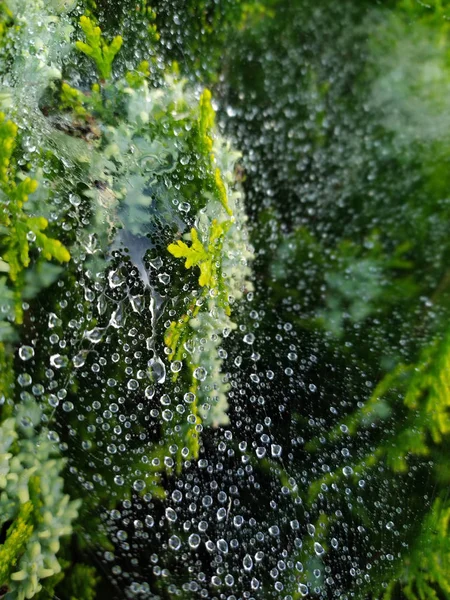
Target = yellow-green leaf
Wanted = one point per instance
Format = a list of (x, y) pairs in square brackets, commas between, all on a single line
[(97, 48)]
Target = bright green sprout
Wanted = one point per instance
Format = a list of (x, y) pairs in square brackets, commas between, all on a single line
[(96, 47)]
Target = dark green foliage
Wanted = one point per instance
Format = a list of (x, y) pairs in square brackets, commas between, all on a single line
[(194, 33), (75, 582), (346, 148), (80, 583)]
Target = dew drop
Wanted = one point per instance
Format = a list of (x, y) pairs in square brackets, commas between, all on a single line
[(26, 352), (194, 541), (249, 338), (200, 373), (222, 546), (175, 542), (247, 562), (318, 549), (171, 515)]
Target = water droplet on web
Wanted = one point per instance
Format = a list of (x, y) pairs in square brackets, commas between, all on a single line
[(26, 422), (53, 321), (222, 546), (221, 514), (58, 361), (184, 207), (95, 335), (194, 541), (156, 263), (175, 542), (157, 370), (276, 450), (115, 279), (117, 318), (79, 359), (89, 295), (122, 535), (177, 496), (149, 392), (167, 415), (247, 562), (171, 515), (74, 200), (139, 485), (102, 304), (53, 400), (26, 352), (164, 278), (53, 436), (176, 366), (200, 373), (249, 338), (254, 583), (133, 384), (318, 549), (137, 303), (303, 589), (189, 397), (189, 346)]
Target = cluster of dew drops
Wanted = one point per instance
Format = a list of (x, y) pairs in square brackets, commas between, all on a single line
[(225, 523), (207, 524)]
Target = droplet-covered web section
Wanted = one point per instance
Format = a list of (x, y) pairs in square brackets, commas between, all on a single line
[(223, 375)]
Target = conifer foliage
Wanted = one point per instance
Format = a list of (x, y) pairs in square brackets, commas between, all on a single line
[(224, 300)]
